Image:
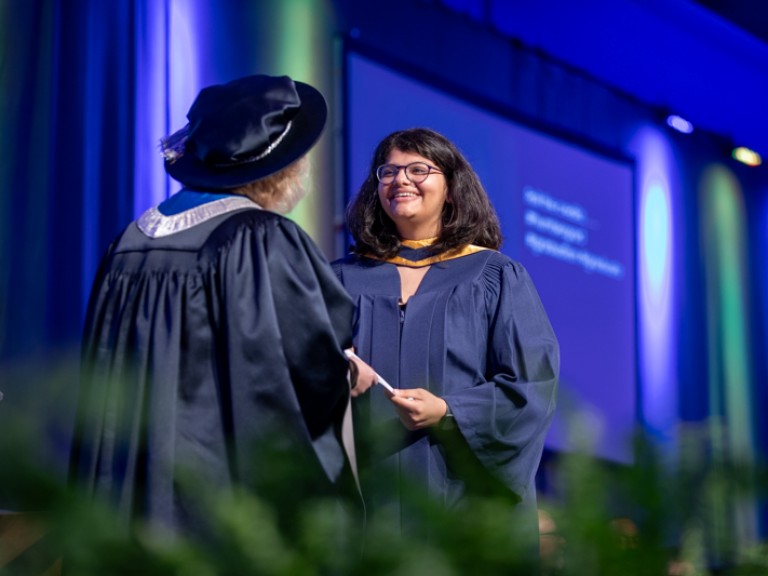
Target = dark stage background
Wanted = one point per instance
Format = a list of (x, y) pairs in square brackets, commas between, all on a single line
[(89, 87)]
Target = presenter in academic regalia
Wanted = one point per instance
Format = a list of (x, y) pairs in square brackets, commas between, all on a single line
[(456, 327), (213, 344)]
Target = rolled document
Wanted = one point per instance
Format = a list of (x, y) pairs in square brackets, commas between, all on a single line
[(381, 380)]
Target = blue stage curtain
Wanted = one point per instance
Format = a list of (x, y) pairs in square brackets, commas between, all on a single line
[(67, 178), (75, 83)]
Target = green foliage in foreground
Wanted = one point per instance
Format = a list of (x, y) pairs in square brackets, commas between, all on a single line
[(687, 514), (640, 520)]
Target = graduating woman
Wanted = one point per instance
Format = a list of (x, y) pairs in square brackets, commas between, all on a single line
[(456, 327)]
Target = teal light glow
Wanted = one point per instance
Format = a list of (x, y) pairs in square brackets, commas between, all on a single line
[(726, 298), (657, 345), (728, 354), (302, 51)]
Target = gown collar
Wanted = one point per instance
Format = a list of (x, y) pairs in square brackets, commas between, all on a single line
[(416, 253), (188, 208)]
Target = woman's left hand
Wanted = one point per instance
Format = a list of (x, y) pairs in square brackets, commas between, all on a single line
[(418, 408)]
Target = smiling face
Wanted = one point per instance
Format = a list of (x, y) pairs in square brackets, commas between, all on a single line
[(416, 209)]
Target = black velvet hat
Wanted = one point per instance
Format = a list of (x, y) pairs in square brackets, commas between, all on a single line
[(244, 130)]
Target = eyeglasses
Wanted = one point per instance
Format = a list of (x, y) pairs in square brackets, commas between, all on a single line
[(416, 172)]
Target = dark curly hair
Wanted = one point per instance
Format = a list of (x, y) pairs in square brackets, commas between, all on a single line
[(468, 219)]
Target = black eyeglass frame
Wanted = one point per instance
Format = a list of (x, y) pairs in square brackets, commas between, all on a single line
[(398, 167)]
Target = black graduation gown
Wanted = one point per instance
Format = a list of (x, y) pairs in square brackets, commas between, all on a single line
[(214, 353), (476, 334)]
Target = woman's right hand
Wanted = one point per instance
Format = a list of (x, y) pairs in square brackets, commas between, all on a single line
[(418, 408)]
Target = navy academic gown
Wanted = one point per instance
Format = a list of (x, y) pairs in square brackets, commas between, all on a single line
[(212, 358), (476, 334)]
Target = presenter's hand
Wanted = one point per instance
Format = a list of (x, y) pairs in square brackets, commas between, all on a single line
[(362, 376), (418, 408)]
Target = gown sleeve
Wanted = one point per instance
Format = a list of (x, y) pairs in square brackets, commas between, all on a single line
[(290, 335), (505, 418), (314, 314)]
